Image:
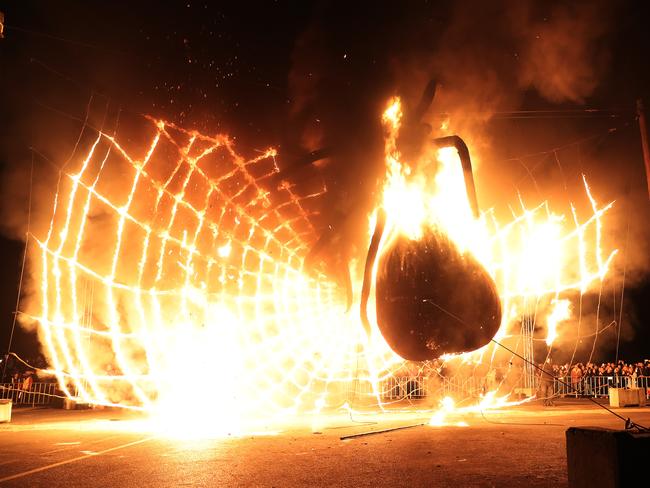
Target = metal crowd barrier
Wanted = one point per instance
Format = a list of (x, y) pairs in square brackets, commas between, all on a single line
[(459, 386), (419, 387), (38, 394), (396, 388), (403, 387), (598, 386)]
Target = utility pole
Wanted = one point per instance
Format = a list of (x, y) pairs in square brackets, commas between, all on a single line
[(644, 140)]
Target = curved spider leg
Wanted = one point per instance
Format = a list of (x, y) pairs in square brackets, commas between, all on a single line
[(466, 162), (370, 263)]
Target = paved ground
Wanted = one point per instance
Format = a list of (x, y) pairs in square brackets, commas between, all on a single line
[(523, 446)]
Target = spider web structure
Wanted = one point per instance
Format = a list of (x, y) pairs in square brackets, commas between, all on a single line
[(173, 267), (179, 269)]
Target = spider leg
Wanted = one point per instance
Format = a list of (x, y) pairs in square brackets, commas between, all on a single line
[(370, 262)]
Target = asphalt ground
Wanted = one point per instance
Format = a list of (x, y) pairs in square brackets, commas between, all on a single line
[(519, 446)]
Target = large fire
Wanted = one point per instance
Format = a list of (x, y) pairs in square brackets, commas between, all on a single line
[(178, 271)]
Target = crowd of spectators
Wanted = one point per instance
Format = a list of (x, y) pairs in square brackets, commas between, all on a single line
[(594, 379), (620, 368)]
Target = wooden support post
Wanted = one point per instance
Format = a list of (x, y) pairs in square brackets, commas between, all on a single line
[(644, 140)]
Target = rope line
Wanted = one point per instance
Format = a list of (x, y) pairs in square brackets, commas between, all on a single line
[(22, 268)]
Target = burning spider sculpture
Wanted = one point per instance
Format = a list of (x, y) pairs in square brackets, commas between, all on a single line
[(431, 299)]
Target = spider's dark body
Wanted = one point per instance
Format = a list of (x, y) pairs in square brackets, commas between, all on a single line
[(433, 300)]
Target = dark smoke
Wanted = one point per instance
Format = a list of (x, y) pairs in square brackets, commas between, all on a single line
[(563, 54), (485, 56)]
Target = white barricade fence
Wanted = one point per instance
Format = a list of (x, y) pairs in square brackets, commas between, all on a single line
[(397, 388), (394, 388), (598, 386), (38, 394), (404, 387)]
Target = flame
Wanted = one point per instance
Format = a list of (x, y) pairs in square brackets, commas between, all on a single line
[(198, 287), (532, 255), (561, 311), (189, 281), (448, 409), (224, 251)]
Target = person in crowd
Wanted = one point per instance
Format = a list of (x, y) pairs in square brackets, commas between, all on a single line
[(617, 375), (587, 379), (633, 377), (25, 387), (16, 383), (576, 378), (646, 367), (546, 383)]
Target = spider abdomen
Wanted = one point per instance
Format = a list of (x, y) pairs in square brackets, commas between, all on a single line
[(433, 300)]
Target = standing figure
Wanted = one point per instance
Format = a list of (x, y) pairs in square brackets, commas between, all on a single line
[(25, 387), (546, 383)]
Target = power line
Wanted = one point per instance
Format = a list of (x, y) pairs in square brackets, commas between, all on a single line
[(620, 318), (576, 142), (534, 114), (61, 39)]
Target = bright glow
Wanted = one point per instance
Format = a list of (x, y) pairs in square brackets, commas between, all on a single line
[(561, 311), (188, 283), (439, 418), (192, 287), (224, 251), (535, 254)]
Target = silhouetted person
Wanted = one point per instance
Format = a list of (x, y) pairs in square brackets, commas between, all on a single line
[(546, 383)]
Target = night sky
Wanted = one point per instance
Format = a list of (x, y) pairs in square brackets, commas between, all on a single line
[(305, 75)]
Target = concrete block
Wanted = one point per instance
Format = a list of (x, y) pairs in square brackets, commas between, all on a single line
[(72, 404), (69, 404), (624, 397), (5, 410), (605, 458)]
